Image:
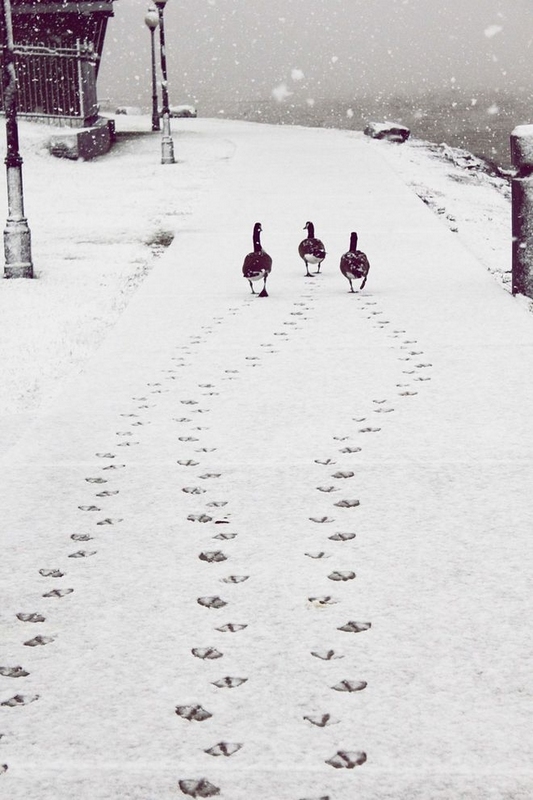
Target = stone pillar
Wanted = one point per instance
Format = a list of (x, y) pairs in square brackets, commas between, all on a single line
[(522, 210)]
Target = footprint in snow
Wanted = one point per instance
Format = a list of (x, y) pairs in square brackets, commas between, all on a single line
[(105, 455), (51, 573), (369, 430), (347, 503), (321, 720), (13, 672), (382, 410), (89, 508), (322, 602), (342, 537), (199, 788), (350, 686), (327, 489), (20, 700), (193, 713), (32, 617), (58, 593), (81, 537), (345, 759), (212, 556), (209, 475), (320, 554), (225, 536), (39, 641), (211, 602), (350, 450), (407, 394), (224, 749), (206, 653), (355, 627), (83, 554), (188, 439), (217, 503), (321, 519), (343, 474), (115, 466), (341, 576), (107, 493), (199, 518), (193, 490), (325, 461), (326, 655), (110, 521), (229, 682), (231, 627), (235, 579), (96, 480), (188, 462)]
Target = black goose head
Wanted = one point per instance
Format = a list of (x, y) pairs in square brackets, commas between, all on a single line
[(310, 230), (353, 242)]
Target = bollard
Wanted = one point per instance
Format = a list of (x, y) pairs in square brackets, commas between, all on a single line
[(522, 210)]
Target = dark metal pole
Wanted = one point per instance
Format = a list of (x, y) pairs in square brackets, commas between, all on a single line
[(156, 126), (152, 21), (17, 237), (522, 210), (167, 145)]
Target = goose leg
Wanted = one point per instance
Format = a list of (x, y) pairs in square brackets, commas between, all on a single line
[(251, 286), (363, 283), (351, 285), (307, 274), (264, 292)]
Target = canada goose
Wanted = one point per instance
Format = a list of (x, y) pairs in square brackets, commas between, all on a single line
[(354, 264), (311, 250), (258, 264)]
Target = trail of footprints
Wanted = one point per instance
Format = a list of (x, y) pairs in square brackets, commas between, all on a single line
[(414, 368)]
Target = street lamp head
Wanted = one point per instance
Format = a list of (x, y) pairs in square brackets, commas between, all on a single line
[(151, 19)]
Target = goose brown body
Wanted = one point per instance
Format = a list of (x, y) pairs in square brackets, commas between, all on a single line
[(257, 264), (354, 263), (311, 249)]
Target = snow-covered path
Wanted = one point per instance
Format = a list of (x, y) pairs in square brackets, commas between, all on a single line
[(208, 464)]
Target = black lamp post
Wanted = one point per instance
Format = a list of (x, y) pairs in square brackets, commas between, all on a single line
[(167, 145), (152, 21), (17, 237)]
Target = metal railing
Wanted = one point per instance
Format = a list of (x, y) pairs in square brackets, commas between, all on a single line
[(57, 83)]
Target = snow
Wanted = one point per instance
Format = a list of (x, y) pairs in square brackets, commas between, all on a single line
[(217, 422)]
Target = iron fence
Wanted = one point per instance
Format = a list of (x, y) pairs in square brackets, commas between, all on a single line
[(57, 83)]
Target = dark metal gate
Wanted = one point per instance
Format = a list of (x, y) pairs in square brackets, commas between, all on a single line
[(57, 83)]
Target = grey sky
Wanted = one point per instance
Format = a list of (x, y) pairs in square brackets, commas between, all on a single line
[(225, 50)]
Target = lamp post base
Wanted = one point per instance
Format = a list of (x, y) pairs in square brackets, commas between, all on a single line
[(167, 145), (17, 249)]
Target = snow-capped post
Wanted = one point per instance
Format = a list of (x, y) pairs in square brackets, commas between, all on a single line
[(151, 20), (522, 210), (17, 237), (167, 145)]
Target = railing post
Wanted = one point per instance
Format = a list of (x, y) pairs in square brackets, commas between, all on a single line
[(522, 210)]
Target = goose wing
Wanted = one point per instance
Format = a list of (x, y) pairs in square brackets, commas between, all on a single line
[(354, 265), (257, 264), (312, 247)]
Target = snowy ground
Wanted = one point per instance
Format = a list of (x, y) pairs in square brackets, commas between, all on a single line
[(281, 547)]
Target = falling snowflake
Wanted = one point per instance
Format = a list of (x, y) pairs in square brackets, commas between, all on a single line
[(297, 75), (492, 30), (349, 113), (281, 92)]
